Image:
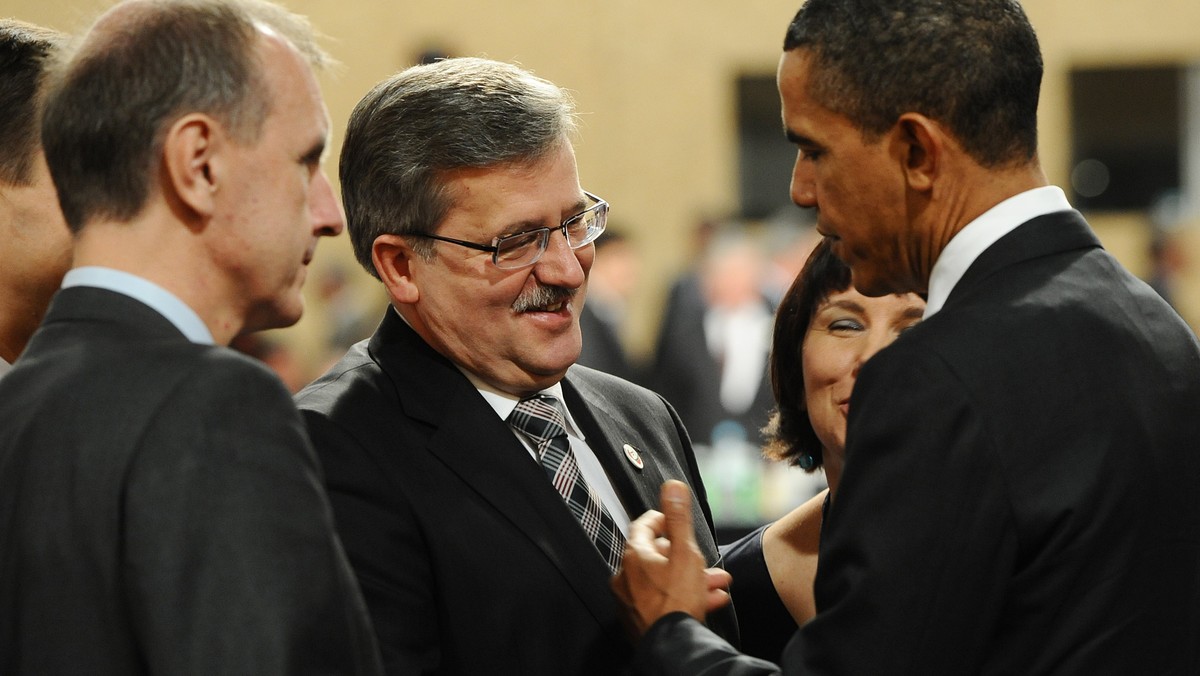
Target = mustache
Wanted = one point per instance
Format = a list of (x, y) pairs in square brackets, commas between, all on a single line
[(541, 296)]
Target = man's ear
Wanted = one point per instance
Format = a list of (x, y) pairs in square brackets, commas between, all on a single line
[(392, 257), (922, 147), (188, 155)]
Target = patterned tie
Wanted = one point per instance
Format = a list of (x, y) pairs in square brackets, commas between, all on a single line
[(540, 418)]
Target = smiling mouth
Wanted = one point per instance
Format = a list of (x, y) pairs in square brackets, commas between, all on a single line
[(548, 299), (557, 307)]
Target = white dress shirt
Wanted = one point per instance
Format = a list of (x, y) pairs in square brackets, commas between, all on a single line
[(983, 232), (589, 465)]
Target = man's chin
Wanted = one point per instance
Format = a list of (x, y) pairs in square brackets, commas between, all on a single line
[(872, 286), (546, 373), (275, 316)]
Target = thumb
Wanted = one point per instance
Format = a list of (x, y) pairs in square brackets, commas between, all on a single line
[(677, 507)]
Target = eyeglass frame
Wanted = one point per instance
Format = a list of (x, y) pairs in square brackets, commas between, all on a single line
[(543, 243)]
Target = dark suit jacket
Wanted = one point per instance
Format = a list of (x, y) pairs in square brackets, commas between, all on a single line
[(161, 510), (468, 557), (1019, 495), (687, 374)]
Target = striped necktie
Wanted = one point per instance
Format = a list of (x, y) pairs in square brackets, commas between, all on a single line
[(540, 418)]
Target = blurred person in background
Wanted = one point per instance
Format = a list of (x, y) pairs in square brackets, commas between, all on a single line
[(711, 353), (788, 242), (611, 283)]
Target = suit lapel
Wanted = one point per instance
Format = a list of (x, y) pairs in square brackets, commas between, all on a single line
[(480, 448), (608, 435), (1042, 236)]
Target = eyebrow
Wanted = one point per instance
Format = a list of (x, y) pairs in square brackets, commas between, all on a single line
[(842, 304), (910, 312), (798, 139), (525, 226), (314, 154), (580, 205)]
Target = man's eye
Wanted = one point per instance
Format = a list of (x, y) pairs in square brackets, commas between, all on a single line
[(519, 240)]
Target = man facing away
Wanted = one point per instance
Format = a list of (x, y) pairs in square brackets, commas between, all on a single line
[(481, 483), (160, 507), (36, 239), (1019, 489)]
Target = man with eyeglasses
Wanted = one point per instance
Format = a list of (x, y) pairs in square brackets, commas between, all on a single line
[(482, 484)]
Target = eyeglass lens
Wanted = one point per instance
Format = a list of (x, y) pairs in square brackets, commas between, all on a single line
[(527, 247)]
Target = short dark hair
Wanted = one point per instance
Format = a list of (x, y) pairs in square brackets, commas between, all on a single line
[(414, 127), (26, 52), (789, 432), (972, 65), (109, 109)]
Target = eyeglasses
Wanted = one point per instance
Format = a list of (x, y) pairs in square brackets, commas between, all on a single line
[(526, 248)]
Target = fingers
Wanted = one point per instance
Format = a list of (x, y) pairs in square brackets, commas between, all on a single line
[(717, 581), (717, 578), (677, 508), (663, 570), (644, 530)]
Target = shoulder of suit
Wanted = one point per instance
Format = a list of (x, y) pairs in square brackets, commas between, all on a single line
[(355, 375), (586, 379)]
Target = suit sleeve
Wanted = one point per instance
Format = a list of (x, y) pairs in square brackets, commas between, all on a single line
[(919, 543), (678, 645), (230, 559), (915, 554), (386, 548)]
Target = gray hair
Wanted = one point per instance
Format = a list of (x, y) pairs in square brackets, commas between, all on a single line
[(414, 127), (143, 65)]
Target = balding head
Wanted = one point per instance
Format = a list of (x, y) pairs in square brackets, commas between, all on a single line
[(143, 65)]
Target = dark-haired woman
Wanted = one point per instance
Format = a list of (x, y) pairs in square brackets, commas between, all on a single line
[(824, 332)]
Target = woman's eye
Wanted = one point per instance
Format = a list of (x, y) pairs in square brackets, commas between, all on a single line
[(845, 325)]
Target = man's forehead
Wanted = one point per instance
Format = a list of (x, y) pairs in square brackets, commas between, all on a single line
[(290, 76)]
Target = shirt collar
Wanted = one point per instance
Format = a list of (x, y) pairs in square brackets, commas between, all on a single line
[(159, 299), (983, 232), (504, 403)]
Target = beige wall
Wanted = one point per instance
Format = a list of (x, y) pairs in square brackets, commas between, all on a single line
[(654, 81)]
